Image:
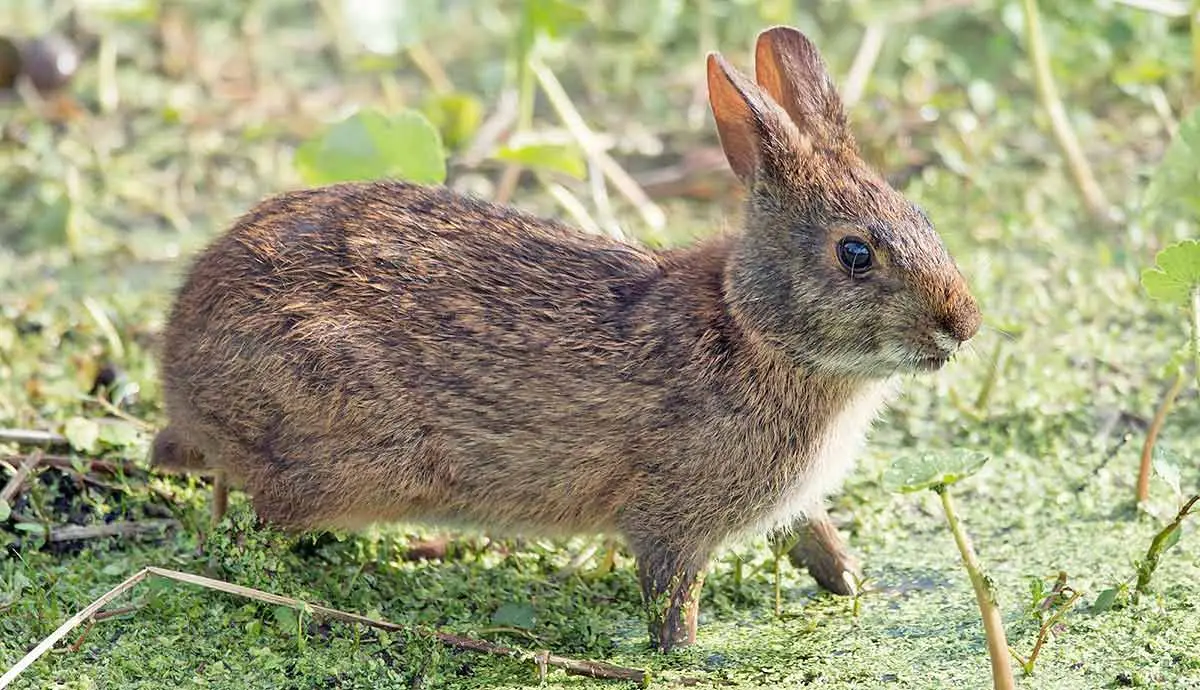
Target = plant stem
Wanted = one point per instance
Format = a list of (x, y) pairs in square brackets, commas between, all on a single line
[(989, 380), (1060, 124), (1196, 300), (1160, 416), (1195, 28), (993, 625), (778, 587), (1157, 545), (1044, 634)]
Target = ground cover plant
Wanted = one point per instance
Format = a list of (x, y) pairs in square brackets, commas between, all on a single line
[(179, 116)]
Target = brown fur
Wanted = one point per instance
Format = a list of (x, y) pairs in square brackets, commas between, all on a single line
[(382, 351)]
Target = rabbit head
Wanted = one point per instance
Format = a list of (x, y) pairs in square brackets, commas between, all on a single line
[(834, 266)]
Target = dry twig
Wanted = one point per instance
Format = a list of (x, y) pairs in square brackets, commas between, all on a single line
[(128, 528), (591, 669), (14, 483), (1160, 416), (32, 437)]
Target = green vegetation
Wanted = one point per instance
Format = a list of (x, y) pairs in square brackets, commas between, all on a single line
[(938, 474), (183, 114)]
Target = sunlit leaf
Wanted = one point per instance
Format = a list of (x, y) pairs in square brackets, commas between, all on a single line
[(551, 157), (916, 472), (553, 17), (118, 434), (83, 434), (545, 19), (1172, 538), (457, 117), (369, 145), (5, 510), (1177, 273), (386, 26)]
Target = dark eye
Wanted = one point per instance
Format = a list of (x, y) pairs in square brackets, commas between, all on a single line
[(854, 254)]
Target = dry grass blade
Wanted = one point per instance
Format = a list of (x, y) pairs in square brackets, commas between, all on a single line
[(117, 412), (1060, 124), (574, 207), (625, 184), (864, 64), (14, 484), (591, 669), (44, 646)]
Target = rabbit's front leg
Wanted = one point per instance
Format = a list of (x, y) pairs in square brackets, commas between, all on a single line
[(822, 551), (671, 581)]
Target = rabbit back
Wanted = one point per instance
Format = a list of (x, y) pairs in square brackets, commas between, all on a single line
[(377, 352)]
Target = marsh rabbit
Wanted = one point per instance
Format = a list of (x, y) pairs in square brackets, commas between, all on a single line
[(382, 351)]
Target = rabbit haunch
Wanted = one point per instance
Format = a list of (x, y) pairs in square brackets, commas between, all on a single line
[(370, 352)]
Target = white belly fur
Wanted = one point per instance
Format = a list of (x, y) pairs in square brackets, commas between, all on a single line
[(833, 458)]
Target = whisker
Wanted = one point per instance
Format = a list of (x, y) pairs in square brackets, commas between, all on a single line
[(1000, 331)]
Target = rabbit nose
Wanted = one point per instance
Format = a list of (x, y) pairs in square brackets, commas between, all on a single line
[(962, 319)]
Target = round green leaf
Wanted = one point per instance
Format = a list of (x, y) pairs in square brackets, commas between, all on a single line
[(369, 145), (915, 472), (1177, 273), (5, 510)]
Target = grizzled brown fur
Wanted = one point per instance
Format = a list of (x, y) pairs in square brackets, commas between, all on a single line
[(383, 351)]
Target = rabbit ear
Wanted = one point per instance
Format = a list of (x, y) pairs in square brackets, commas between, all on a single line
[(754, 131), (790, 69)]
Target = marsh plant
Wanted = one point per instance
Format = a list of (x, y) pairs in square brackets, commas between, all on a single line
[(937, 473), (1174, 193)]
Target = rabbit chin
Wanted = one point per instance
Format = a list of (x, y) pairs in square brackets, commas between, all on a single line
[(867, 365)]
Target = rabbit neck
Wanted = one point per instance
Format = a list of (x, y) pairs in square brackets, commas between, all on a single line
[(800, 427)]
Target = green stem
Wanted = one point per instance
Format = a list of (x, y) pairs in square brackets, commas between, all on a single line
[(1196, 306), (778, 588), (526, 40), (993, 625), (1157, 545), (1196, 48), (1156, 424)]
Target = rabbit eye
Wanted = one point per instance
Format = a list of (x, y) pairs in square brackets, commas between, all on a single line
[(854, 254)]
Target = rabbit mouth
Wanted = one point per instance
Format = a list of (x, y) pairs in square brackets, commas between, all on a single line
[(931, 362)]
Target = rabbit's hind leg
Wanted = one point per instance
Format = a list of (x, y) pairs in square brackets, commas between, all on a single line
[(823, 552)]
